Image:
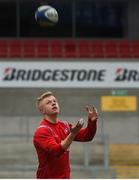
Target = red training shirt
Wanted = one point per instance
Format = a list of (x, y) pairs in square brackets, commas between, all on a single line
[(53, 160)]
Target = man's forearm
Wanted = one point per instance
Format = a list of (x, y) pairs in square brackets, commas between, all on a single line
[(67, 141), (74, 131)]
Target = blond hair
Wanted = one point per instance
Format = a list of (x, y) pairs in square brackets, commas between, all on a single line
[(42, 96)]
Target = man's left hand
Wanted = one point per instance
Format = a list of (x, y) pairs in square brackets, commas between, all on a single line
[(92, 113)]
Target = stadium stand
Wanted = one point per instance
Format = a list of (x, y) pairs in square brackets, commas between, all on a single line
[(135, 48), (15, 48), (18, 158), (42, 50), (124, 49), (3, 48), (111, 49), (125, 159), (84, 49), (70, 48), (122, 154), (61, 48), (56, 49), (28, 47), (97, 48), (125, 172)]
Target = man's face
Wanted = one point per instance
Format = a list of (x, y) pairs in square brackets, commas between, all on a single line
[(49, 105)]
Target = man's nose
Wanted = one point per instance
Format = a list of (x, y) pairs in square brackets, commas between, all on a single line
[(53, 103)]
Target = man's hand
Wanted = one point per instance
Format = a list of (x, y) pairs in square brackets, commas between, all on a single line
[(92, 113), (75, 129)]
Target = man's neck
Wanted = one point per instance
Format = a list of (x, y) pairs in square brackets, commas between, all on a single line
[(52, 119)]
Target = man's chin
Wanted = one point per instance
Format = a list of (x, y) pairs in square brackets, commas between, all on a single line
[(55, 113)]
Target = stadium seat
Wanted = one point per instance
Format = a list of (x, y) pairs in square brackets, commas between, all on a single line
[(126, 171), (29, 50), (42, 49), (15, 49), (119, 154), (3, 49), (84, 50), (56, 48), (97, 49), (124, 49), (135, 49), (111, 49), (70, 48)]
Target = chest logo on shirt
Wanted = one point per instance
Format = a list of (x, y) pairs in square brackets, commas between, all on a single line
[(66, 131)]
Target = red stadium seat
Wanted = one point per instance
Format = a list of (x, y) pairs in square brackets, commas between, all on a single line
[(3, 49), (124, 49), (15, 49), (111, 49), (70, 48), (56, 48), (29, 50), (42, 49), (84, 49), (97, 48), (135, 49)]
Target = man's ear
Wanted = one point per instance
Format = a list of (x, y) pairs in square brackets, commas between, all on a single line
[(41, 109)]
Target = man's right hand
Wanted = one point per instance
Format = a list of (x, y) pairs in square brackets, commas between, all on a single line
[(75, 129)]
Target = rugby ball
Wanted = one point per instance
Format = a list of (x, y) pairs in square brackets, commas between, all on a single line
[(46, 15)]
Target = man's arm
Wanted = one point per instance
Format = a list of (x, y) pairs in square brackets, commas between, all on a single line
[(87, 134), (43, 139), (74, 131)]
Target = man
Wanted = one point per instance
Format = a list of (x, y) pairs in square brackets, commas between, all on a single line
[(53, 137)]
